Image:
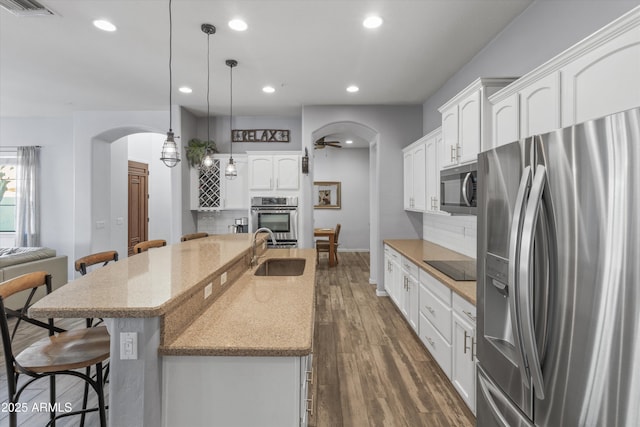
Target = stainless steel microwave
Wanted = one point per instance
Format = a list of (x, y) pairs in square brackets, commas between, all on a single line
[(458, 186)]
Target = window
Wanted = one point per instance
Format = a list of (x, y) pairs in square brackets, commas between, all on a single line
[(8, 161)]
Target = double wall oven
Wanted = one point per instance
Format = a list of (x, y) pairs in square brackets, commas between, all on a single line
[(280, 215)]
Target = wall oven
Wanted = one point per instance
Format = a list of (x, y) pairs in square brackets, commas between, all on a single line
[(458, 189), (278, 214)]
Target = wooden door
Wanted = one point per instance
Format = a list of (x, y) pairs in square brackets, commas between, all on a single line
[(138, 204)]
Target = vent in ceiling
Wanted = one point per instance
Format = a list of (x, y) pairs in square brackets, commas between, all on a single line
[(25, 8)]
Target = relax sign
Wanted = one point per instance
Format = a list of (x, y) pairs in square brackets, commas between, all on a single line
[(259, 135)]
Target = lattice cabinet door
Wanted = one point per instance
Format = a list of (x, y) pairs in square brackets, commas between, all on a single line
[(206, 190)]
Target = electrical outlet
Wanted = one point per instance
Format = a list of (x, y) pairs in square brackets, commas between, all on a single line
[(223, 278), (100, 224), (208, 290), (128, 345)]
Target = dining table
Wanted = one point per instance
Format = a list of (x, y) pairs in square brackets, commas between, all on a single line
[(331, 234)]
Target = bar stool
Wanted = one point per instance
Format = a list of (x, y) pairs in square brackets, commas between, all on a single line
[(193, 236), (148, 244), (60, 353)]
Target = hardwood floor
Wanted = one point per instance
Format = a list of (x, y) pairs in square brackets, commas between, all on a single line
[(370, 368)]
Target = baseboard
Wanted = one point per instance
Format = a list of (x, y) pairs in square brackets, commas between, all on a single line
[(381, 293)]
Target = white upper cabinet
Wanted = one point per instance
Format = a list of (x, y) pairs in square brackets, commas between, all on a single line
[(274, 172), (596, 77), (434, 146), (235, 192), (466, 121), (211, 191), (415, 176)]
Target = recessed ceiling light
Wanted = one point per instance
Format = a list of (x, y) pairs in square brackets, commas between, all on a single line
[(185, 89), (104, 25), (353, 89), (268, 89), (348, 141), (372, 21), (238, 25)]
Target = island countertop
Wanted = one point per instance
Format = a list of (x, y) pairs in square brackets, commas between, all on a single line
[(148, 284), (256, 316)]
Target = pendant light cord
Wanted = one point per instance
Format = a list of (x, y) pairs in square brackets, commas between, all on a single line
[(170, 57), (208, 82), (231, 112)]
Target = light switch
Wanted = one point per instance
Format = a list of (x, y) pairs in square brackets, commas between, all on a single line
[(128, 345)]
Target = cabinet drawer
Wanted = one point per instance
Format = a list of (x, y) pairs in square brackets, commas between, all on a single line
[(437, 346), (436, 311), (410, 267), (388, 250), (464, 309), (436, 287)]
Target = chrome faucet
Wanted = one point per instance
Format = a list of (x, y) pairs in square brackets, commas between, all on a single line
[(254, 259)]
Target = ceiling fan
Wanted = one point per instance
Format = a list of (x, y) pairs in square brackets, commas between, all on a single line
[(321, 143)]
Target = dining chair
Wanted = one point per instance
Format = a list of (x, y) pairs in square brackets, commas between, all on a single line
[(148, 244), (193, 236), (324, 245), (61, 352)]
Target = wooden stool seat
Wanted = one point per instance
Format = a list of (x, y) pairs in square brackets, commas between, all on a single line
[(81, 264), (148, 244), (193, 236), (74, 349)]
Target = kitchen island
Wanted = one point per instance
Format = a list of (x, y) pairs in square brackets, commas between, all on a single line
[(196, 302)]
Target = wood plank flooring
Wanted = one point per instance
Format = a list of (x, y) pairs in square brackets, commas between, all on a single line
[(370, 368)]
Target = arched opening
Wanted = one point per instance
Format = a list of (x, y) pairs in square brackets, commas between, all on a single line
[(110, 153), (355, 167)]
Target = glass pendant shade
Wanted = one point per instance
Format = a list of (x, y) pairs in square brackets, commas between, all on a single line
[(170, 154), (207, 160), (230, 172)]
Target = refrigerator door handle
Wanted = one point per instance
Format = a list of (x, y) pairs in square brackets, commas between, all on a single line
[(526, 278), (514, 253), (486, 389)]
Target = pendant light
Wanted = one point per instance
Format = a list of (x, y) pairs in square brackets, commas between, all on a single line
[(170, 154), (230, 172), (207, 160)]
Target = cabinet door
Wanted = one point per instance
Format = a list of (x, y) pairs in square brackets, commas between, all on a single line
[(470, 131), (463, 368), (408, 180), (604, 80), (413, 306), (506, 122), (286, 172), (260, 172), (540, 106), (449, 137), (235, 195), (432, 175), (419, 178)]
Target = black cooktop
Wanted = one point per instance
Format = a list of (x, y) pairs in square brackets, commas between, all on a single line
[(458, 270)]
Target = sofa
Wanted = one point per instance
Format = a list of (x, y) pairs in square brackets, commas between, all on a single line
[(17, 261)]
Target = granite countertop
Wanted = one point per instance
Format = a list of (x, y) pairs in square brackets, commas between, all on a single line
[(420, 250), (257, 316), (147, 284)]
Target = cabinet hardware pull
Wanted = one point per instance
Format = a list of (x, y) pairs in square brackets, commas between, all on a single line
[(310, 406), (451, 155), (431, 310), (309, 375), (473, 348), (430, 341), (465, 342), (469, 315)]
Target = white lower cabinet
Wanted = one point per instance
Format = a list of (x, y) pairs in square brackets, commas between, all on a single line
[(463, 366), (409, 298), (392, 274), (435, 320), (236, 391)]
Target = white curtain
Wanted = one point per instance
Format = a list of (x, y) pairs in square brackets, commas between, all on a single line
[(28, 197)]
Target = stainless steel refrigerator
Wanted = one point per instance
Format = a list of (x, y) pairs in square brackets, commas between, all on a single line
[(559, 278)]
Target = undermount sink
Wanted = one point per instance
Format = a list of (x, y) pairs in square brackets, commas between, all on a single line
[(281, 267)]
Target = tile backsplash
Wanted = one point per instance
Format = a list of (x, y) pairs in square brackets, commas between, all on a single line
[(218, 222), (456, 232)]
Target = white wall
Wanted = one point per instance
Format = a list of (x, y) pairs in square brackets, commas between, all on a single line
[(396, 127), (55, 135), (221, 134), (543, 30), (349, 166)]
